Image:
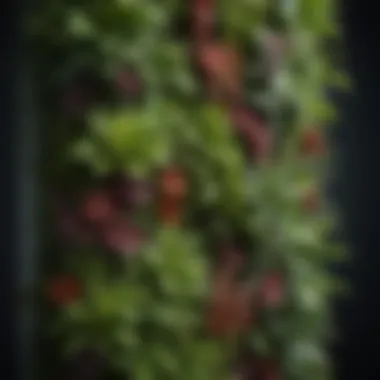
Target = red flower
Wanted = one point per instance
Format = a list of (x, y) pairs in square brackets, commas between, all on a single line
[(272, 290), (173, 183), (219, 59), (312, 143), (64, 290), (222, 67), (97, 207)]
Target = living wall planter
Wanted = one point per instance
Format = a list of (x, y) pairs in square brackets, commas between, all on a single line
[(185, 235)]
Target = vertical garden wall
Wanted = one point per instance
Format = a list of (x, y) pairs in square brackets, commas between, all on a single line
[(185, 235)]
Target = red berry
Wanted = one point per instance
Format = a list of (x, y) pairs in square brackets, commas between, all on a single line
[(64, 290), (312, 143), (97, 207)]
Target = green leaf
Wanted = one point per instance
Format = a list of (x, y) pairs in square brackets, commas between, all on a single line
[(80, 25)]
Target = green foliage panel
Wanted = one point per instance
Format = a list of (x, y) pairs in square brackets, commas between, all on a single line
[(141, 109)]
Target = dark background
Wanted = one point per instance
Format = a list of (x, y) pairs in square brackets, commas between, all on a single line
[(358, 192), (356, 188)]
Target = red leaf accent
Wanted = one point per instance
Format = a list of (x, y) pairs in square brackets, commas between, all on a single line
[(169, 211), (255, 133), (130, 192), (222, 68), (128, 83), (268, 370), (312, 143), (203, 19), (231, 305), (311, 201), (173, 183), (64, 290), (121, 237), (97, 207)]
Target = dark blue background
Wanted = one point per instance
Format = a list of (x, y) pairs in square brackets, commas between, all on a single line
[(357, 187)]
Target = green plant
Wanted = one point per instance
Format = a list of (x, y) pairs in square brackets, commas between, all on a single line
[(186, 164)]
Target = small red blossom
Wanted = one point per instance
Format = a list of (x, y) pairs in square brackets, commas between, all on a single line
[(222, 68), (173, 183)]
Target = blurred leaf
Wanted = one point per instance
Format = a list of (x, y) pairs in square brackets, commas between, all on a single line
[(260, 343)]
